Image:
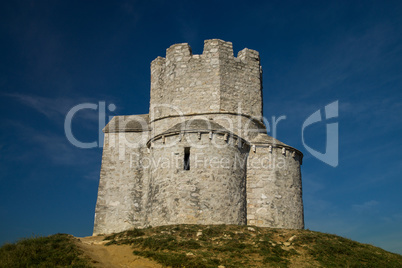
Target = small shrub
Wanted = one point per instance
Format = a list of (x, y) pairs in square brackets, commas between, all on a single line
[(213, 231), (276, 260), (189, 244), (135, 233)]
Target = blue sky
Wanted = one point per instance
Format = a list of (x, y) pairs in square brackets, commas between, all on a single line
[(57, 54)]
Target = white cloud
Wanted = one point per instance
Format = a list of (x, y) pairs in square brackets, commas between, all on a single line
[(394, 218), (369, 206), (50, 146), (57, 108), (47, 106)]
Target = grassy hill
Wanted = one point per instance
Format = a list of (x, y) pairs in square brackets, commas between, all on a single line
[(210, 246), (57, 250)]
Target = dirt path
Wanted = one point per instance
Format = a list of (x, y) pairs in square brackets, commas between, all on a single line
[(112, 256)]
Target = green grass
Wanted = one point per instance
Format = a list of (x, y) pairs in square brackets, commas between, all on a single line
[(209, 246), (331, 250), (239, 246), (57, 250), (204, 246)]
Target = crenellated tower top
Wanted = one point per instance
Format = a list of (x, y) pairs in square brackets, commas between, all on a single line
[(210, 83)]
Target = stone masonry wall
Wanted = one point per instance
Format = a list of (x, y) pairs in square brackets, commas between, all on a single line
[(213, 82), (274, 189), (211, 192), (241, 83), (180, 79), (120, 203)]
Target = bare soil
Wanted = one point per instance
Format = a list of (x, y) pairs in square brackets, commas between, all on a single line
[(112, 256)]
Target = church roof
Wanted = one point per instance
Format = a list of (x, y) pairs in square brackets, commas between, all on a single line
[(196, 125), (128, 123), (263, 138)]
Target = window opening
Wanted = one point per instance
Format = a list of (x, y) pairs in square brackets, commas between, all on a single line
[(187, 158)]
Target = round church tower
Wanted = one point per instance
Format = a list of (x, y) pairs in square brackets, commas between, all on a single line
[(198, 177)]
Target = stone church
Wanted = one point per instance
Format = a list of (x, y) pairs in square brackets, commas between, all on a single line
[(202, 155)]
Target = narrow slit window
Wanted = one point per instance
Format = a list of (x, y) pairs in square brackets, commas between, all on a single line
[(187, 158)]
